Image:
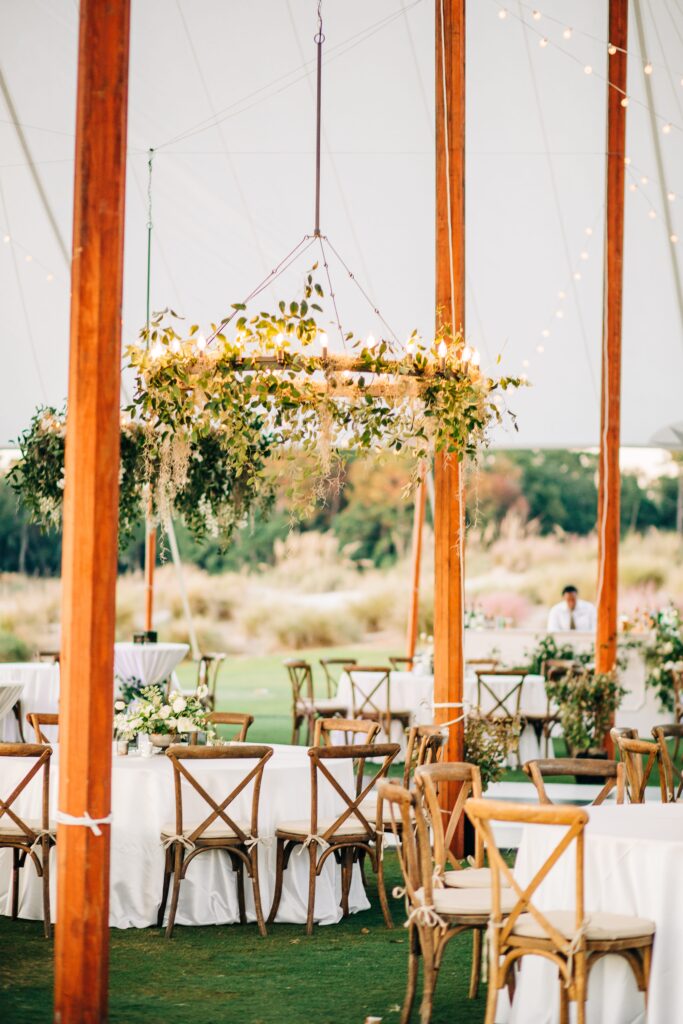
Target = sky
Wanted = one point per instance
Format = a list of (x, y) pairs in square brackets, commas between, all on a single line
[(224, 95)]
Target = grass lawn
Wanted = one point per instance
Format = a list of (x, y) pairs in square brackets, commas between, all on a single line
[(339, 975)]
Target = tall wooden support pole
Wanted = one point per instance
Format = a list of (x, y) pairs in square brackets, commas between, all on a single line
[(418, 529), (610, 405), (89, 558), (450, 303)]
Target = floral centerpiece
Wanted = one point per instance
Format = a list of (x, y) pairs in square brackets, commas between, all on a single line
[(160, 717), (586, 702), (548, 649), (664, 654)]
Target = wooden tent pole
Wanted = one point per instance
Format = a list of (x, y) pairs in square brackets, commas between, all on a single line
[(610, 399), (418, 528), (450, 303), (89, 559)]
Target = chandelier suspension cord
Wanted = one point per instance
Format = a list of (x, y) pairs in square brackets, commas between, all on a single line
[(149, 235), (318, 39)]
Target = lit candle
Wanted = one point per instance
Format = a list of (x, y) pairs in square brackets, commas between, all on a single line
[(175, 346), (410, 348), (200, 343), (370, 341), (324, 345), (442, 352), (466, 355)]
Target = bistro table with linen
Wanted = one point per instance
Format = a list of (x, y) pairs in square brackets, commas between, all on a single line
[(143, 803), (633, 865), (39, 683), (147, 663)]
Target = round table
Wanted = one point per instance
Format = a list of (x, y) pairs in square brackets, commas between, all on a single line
[(147, 663), (143, 802), (39, 683), (408, 691), (633, 861)]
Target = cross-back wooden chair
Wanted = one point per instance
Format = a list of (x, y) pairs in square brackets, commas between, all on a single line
[(424, 745), (29, 839), (208, 669), (352, 730), (448, 871), (219, 830), (435, 914), (678, 704), (241, 721), (400, 663), (348, 836), (493, 703), (306, 707), (632, 752), (371, 697), (332, 668), (40, 718), (612, 772), (673, 777), (555, 668), (568, 937), (482, 664)]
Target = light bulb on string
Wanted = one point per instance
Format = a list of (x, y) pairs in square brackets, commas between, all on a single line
[(567, 34), (652, 214), (49, 277), (611, 49), (624, 101), (559, 314), (540, 348), (666, 128), (588, 231), (588, 70), (525, 362), (671, 196), (7, 238), (543, 42), (577, 275), (502, 14), (561, 296), (28, 257), (584, 255), (545, 333), (536, 15), (476, 358), (627, 161), (674, 238), (643, 180), (647, 68), (632, 186)]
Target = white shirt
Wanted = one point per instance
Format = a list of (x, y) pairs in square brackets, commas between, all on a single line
[(585, 617)]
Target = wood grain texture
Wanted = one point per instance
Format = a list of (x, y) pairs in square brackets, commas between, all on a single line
[(89, 559), (450, 304)]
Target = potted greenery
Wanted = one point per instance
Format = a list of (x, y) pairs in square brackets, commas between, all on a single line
[(586, 702), (488, 744)]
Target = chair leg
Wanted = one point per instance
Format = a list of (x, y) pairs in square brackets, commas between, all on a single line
[(564, 1003), (381, 887), (47, 922), (296, 722), (167, 881), (346, 869), (20, 720), (647, 963), (15, 882), (312, 876), (177, 870), (429, 978), (413, 969), (238, 867), (492, 990), (279, 873), (257, 891), (476, 963)]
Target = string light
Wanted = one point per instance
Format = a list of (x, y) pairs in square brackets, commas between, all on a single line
[(49, 277), (324, 344), (584, 255), (671, 196), (652, 214), (502, 14), (543, 42), (175, 346), (536, 15), (561, 296), (588, 232), (559, 314), (632, 186), (370, 341), (476, 358), (624, 101), (588, 70), (7, 238), (567, 34), (545, 333), (644, 180), (577, 275), (157, 350), (28, 257), (611, 49), (540, 349), (666, 128), (648, 68), (674, 238)]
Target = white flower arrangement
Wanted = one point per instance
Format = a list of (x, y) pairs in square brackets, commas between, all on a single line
[(664, 653), (153, 712)]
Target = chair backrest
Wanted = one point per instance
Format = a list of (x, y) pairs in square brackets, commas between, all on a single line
[(401, 664), (357, 754), (301, 679), (9, 817), (482, 664), (371, 691), (332, 668), (243, 723), (429, 780), (208, 668), (632, 752), (555, 668), (482, 813), (219, 810), (38, 718), (412, 841), (611, 771), (360, 730), (50, 657), (673, 777), (424, 745), (505, 698)]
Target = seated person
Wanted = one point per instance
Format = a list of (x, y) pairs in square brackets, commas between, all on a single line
[(572, 613)]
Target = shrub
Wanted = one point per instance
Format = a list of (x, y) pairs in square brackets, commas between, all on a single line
[(12, 648)]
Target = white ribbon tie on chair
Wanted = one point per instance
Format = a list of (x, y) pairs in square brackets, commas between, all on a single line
[(322, 843), (183, 840)]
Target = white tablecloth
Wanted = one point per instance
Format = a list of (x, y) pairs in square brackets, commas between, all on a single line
[(148, 663), (633, 865), (143, 802), (40, 682), (533, 701), (9, 695), (408, 691)]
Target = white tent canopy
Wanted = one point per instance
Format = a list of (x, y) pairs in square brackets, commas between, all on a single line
[(233, 85)]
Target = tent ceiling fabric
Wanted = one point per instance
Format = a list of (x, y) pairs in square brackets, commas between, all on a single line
[(231, 200)]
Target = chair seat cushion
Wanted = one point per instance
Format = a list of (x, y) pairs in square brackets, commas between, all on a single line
[(602, 927), (468, 901), (219, 830), (8, 830), (468, 878), (302, 827), (330, 704)]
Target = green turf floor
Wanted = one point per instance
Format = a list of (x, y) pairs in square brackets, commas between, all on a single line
[(340, 975)]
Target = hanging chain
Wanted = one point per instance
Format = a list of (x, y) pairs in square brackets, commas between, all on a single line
[(318, 39), (149, 233)]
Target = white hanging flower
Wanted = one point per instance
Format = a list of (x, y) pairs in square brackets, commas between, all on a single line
[(179, 705)]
